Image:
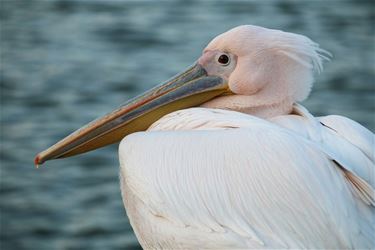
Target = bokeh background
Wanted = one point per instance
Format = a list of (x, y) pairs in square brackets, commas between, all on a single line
[(64, 63)]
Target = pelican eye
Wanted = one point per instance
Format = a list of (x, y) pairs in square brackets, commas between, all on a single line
[(223, 59)]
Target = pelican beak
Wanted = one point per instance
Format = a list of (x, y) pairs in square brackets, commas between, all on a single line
[(190, 88)]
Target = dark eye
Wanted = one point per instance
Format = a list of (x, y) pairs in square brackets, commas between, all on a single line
[(223, 59)]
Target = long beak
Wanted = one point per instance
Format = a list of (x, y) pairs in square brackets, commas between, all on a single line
[(188, 89)]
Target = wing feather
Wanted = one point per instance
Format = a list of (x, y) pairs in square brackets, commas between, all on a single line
[(348, 144)]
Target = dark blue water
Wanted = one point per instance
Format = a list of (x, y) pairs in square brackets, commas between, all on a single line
[(63, 63)]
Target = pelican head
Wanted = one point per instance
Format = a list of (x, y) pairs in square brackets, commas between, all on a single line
[(267, 70), (248, 68)]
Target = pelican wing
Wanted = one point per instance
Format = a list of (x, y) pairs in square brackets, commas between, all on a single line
[(206, 178), (347, 143)]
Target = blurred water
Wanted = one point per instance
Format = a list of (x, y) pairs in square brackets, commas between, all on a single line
[(64, 63)]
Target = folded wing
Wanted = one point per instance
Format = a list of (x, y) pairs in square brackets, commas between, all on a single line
[(222, 179)]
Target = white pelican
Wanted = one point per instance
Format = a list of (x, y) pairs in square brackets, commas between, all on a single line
[(249, 168)]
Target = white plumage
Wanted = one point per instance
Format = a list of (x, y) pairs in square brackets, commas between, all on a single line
[(222, 179)]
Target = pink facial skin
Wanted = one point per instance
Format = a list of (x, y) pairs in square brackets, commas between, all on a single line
[(209, 61)]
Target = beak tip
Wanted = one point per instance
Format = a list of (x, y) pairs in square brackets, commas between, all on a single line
[(37, 161)]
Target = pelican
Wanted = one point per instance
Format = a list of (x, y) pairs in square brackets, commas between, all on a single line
[(222, 156)]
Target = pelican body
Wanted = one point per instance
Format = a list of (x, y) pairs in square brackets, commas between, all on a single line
[(222, 156)]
